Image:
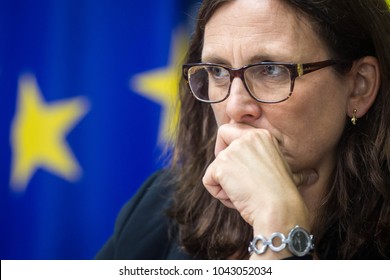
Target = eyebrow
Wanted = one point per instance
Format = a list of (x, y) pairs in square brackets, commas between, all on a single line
[(215, 60), (254, 59)]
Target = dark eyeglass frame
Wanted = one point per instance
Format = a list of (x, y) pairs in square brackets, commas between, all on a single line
[(295, 69)]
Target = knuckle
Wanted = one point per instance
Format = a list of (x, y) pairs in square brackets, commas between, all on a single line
[(223, 128), (223, 156), (258, 135)]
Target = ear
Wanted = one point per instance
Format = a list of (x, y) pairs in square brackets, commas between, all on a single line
[(366, 76)]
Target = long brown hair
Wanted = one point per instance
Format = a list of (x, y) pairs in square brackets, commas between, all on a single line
[(355, 209)]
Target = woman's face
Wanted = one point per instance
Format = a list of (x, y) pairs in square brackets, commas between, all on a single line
[(309, 124)]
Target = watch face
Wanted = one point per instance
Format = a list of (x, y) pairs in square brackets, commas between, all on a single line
[(300, 242)]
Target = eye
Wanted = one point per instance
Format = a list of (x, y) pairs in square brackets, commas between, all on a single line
[(218, 73), (269, 73), (274, 70)]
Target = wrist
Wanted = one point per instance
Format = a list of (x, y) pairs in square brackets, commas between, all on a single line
[(298, 242)]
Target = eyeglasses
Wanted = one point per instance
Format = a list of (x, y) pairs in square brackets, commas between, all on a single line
[(267, 82)]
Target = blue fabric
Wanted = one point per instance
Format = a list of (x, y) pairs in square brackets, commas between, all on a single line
[(86, 54)]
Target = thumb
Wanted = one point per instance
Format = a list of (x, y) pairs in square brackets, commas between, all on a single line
[(305, 177)]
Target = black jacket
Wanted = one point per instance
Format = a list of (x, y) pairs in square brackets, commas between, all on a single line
[(142, 229)]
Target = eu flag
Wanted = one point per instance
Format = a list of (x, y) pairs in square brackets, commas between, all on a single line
[(87, 92)]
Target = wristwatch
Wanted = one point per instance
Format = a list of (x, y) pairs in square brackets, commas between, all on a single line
[(299, 242)]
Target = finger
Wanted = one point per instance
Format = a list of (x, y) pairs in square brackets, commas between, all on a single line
[(221, 195), (227, 133), (305, 177), (228, 203), (215, 189), (211, 183)]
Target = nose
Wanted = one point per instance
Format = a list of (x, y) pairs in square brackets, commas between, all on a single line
[(241, 107)]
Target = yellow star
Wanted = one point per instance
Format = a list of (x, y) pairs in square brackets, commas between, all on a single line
[(38, 135), (162, 86)]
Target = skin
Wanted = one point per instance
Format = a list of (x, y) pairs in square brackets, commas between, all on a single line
[(273, 161)]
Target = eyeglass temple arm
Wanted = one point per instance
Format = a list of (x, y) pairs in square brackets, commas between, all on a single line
[(306, 68), (185, 72)]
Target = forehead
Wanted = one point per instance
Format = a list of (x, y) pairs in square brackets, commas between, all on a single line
[(260, 29)]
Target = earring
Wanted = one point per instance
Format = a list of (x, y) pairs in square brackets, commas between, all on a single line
[(354, 119)]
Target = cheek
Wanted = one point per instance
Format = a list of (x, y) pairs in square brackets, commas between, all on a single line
[(219, 113), (315, 126)]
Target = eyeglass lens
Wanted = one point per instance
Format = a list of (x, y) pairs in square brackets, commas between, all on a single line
[(269, 83)]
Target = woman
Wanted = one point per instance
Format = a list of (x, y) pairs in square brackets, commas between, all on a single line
[(284, 123)]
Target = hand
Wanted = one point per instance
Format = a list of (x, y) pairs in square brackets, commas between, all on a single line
[(251, 175)]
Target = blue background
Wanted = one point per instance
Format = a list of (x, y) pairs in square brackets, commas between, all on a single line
[(91, 49)]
